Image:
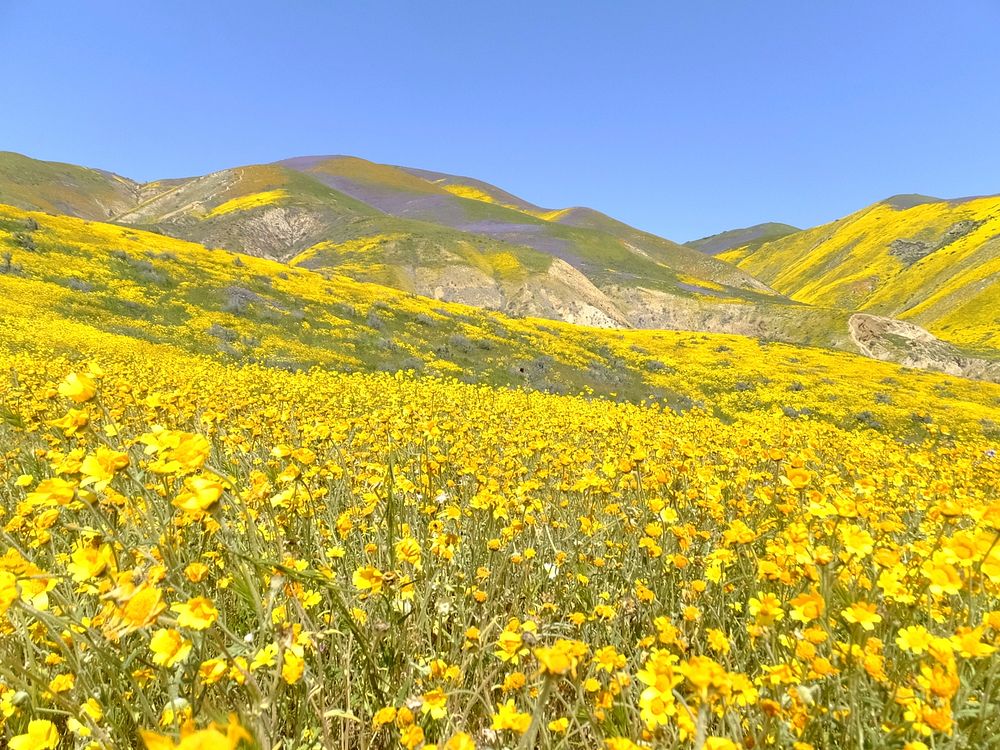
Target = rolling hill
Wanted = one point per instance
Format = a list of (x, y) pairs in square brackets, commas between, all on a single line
[(64, 188), (928, 261), (451, 238), (71, 287)]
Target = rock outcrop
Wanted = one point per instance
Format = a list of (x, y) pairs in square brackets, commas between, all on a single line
[(892, 340)]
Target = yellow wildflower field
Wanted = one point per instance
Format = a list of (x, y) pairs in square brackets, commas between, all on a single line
[(211, 535), (198, 554)]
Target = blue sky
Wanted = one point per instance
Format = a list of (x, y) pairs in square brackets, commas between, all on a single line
[(682, 118)]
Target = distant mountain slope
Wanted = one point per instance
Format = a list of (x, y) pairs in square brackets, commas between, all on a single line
[(462, 240), (63, 188), (264, 210), (596, 245), (932, 262), (747, 236)]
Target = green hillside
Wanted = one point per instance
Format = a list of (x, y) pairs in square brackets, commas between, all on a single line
[(457, 239), (462, 240)]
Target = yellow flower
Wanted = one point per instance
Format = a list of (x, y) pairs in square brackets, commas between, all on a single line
[(62, 683), (717, 641), (176, 451), (292, 666), (383, 716), (9, 592), (143, 607), (608, 659), (796, 478), (41, 735), (99, 467), (508, 717), (661, 676), (704, 673), (266, 657), (92, 709), (211, 671), (864, 614), (52, 492), (412, 736), (196, 572), (72, 422), (914, 639), (943, 576), (434, 703), (719, 743), (214, 737), (766, 609), (77, 387), (620, 743), (169, 647), (807, 606), (89, 560), (510, 646), (459, 741), (513, 681), (604, 612), (408, 551), (368, 580), (857, 541), (201, 494), (198, 613), (559, 726), (562, 657), (969, 644)]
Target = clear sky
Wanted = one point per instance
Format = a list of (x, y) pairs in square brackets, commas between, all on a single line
[(682, 118)]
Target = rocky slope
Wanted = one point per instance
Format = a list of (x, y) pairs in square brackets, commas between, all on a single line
[(893, 340)]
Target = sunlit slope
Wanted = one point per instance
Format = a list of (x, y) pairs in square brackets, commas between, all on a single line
[(63, 188), (933, 262), (110, 285), (462, 240)]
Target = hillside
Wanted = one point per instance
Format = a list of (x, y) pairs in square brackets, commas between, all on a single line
[(932, 262), (462, 240), (746, 237), (456, 239), (219, 466), (65, 281), (64, 188)]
